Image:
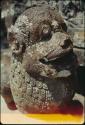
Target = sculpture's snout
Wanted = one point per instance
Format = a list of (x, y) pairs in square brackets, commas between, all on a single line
[(63, 49)]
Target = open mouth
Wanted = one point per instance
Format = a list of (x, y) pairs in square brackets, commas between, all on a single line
[(56, 54), (66, 60)]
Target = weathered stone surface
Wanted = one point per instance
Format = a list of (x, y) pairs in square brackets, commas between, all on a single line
[(37, 58)]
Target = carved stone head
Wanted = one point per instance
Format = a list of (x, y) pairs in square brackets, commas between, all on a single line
[(42, 61)]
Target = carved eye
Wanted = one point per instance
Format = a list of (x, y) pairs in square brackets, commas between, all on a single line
[(46, 31)]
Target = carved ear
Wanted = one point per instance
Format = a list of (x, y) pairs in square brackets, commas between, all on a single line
[(10, 38), (11, 34), (17, 47)]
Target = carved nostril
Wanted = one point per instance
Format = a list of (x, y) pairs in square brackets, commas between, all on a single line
[(66, 43)]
